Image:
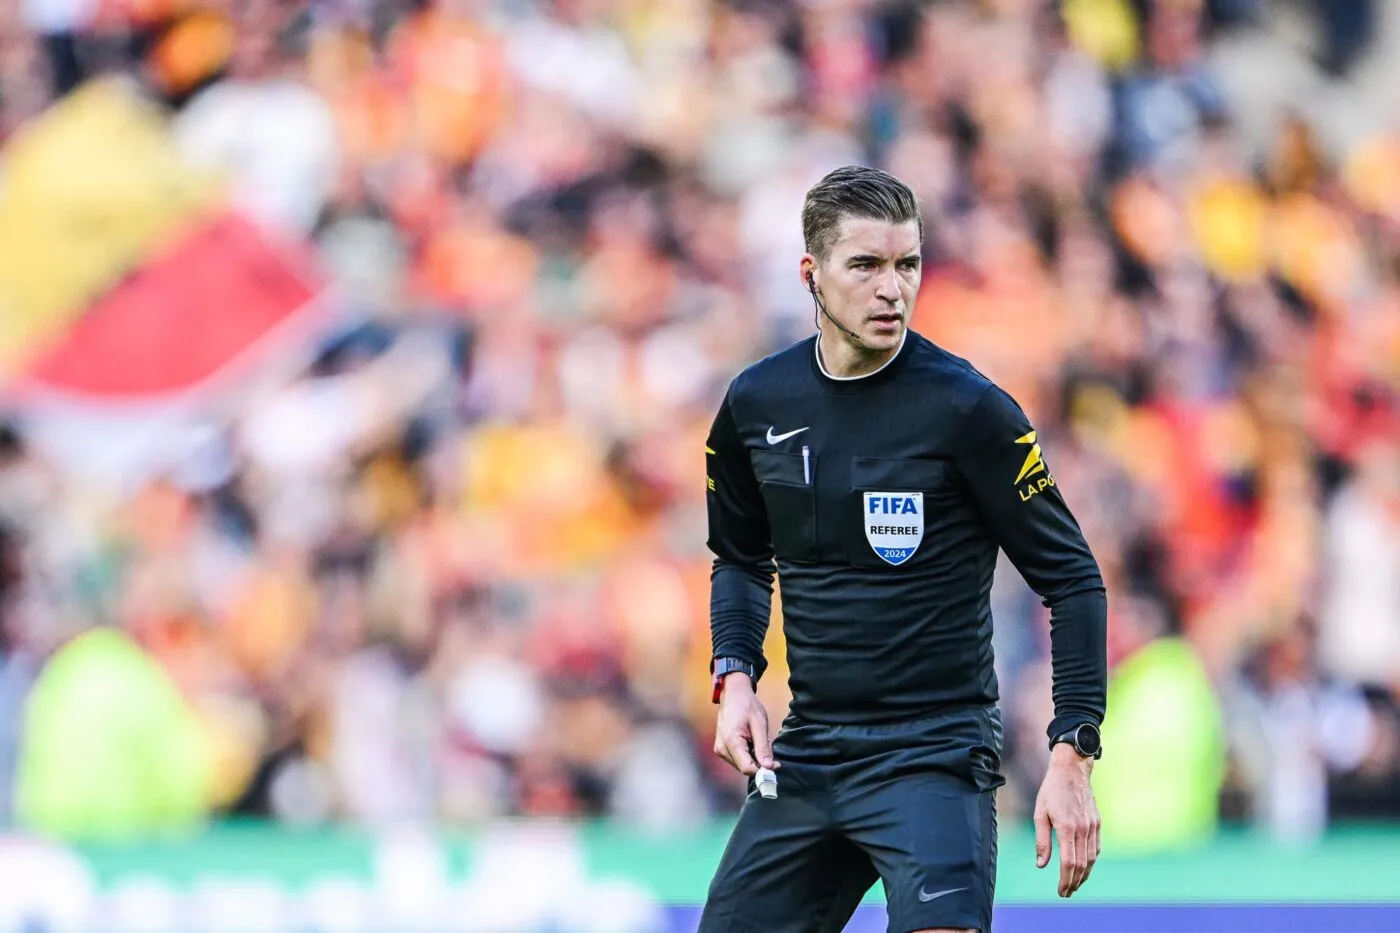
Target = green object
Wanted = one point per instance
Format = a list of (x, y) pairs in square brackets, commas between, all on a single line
[(544, 875), (110, 748), (1349, 865), (1158, 783)]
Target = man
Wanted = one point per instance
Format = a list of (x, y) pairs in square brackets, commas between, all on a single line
[(881, 475)]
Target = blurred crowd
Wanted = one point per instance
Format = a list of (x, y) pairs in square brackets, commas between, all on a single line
[(456, 569)]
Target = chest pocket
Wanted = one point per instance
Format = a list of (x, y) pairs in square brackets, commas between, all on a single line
[(787, 482), (887, 514)]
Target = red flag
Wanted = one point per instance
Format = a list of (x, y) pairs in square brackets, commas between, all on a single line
[(170, 344)]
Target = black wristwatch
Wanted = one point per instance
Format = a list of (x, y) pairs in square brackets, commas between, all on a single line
[(1084, 737), (722, 666)]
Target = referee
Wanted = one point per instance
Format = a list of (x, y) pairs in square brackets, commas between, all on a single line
[(879, 475)]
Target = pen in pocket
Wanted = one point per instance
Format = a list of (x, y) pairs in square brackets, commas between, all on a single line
[(807, 465)]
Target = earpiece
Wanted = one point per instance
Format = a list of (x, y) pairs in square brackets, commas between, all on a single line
[(812, 287)]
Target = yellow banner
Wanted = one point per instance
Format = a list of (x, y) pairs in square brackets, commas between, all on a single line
[(87, 190)]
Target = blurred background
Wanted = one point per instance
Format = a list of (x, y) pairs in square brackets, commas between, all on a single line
[(357, 357)]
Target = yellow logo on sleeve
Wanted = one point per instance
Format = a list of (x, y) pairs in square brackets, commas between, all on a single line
[(1032, 466)]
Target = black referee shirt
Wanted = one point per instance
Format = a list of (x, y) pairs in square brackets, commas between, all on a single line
[(881, 501)]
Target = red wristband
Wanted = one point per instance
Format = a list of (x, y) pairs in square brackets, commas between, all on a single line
[(724, 666)]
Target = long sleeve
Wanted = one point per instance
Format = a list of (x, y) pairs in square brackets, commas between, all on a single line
[(741, 582), (1003, 467)]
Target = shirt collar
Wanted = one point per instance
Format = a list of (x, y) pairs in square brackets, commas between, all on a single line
[(817, 349)]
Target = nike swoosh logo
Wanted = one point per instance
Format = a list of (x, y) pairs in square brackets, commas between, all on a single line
[(775, 438), (935, 896)]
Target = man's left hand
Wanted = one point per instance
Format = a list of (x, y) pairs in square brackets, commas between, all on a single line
[(1066, 805)]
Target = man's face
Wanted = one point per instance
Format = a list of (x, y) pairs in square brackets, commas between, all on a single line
[(870, 280)]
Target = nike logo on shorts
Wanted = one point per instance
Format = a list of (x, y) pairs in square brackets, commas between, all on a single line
[(926, 897)]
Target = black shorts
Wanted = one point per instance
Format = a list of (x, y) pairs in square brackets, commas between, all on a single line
[(912, 804)]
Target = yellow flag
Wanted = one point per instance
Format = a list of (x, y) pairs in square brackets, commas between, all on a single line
[(87, 190)]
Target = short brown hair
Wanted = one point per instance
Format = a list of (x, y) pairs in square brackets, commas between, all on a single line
[(854, 191)]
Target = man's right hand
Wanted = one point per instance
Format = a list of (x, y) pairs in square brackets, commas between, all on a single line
[(741, 731)]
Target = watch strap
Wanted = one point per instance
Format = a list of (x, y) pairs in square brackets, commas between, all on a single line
[(723, 666)]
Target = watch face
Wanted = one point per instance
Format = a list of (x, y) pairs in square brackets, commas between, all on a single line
[(729, 665), (1087, 738)]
